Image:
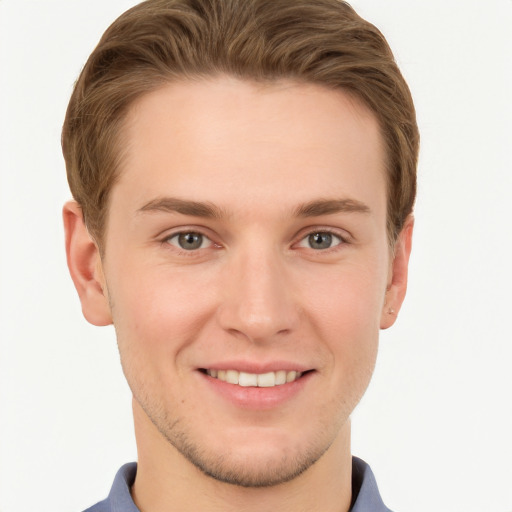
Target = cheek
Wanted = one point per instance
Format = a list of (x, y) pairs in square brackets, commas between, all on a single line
[(346, 314), (158, 312), (346, 299)]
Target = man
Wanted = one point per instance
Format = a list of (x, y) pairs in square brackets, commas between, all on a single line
[(244, 176)]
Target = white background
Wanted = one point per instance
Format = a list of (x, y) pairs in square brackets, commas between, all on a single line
[(436, 423)]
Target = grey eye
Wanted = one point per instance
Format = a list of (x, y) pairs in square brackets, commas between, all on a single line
[(320, 240), (189, 241)]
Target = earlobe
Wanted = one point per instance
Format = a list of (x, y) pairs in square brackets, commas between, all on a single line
[(397, 283), (85, 267)]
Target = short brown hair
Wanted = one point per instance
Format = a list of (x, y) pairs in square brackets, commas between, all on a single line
[(315, 41)]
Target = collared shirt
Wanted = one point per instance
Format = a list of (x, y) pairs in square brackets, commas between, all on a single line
[(366, 497)]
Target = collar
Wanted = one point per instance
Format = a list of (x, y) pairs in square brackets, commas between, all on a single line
[(366, 496), (365, 493)]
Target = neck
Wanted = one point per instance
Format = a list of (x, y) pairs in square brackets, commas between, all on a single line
[(168, 481)]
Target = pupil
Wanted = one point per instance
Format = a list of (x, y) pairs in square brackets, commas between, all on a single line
[(190, 241), (320, 240)]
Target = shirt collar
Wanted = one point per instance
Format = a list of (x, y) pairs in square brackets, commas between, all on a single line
[(366, 496), (120, 498)]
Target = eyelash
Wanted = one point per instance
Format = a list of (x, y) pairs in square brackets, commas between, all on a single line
[(189, 253), (342, 240)]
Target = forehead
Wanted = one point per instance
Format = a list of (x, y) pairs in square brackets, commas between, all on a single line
[(226, 140)]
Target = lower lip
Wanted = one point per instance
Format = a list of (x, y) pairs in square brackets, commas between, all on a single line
[(255, 397)]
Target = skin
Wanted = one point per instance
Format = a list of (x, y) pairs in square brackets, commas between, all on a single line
[(261, 160)]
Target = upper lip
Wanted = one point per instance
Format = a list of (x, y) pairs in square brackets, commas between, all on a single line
[(257, 367)]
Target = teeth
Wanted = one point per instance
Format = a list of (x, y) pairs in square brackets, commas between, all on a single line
[(261, 380), (280, 377), (291, 376), (267, 380), (232, 376), (248, 379)]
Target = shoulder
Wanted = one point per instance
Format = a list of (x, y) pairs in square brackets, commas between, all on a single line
[(119, 499), (102, 506), (366, 496)]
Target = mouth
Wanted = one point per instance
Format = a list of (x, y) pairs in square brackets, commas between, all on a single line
[(260, 380)]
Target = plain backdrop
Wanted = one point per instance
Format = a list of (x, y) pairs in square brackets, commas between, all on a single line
[(436, 422)]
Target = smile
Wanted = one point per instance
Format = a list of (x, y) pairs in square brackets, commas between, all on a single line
[(261, 380)]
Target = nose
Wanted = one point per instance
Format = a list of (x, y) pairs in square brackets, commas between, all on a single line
[(258, 299)]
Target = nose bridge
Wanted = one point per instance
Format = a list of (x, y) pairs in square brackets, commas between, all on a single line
[(258, 302)]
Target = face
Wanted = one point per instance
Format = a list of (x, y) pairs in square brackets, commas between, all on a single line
[(246, 268)]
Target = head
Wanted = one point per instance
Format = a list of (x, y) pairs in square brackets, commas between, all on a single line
[(244, 174), (161, 41)]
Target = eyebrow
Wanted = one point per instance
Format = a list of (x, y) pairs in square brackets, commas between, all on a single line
[(330, 207), (185, 207), (209, 210)]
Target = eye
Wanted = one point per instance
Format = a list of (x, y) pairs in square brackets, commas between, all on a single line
[(320, 240), (189, 241)]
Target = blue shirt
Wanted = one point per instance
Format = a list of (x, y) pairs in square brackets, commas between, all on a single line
[(365, 494)]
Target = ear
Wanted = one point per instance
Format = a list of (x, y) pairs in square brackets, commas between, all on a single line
[(398, 271), (85, 266)]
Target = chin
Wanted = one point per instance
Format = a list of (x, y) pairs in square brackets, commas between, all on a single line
[(259, 466), (251, 458)]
